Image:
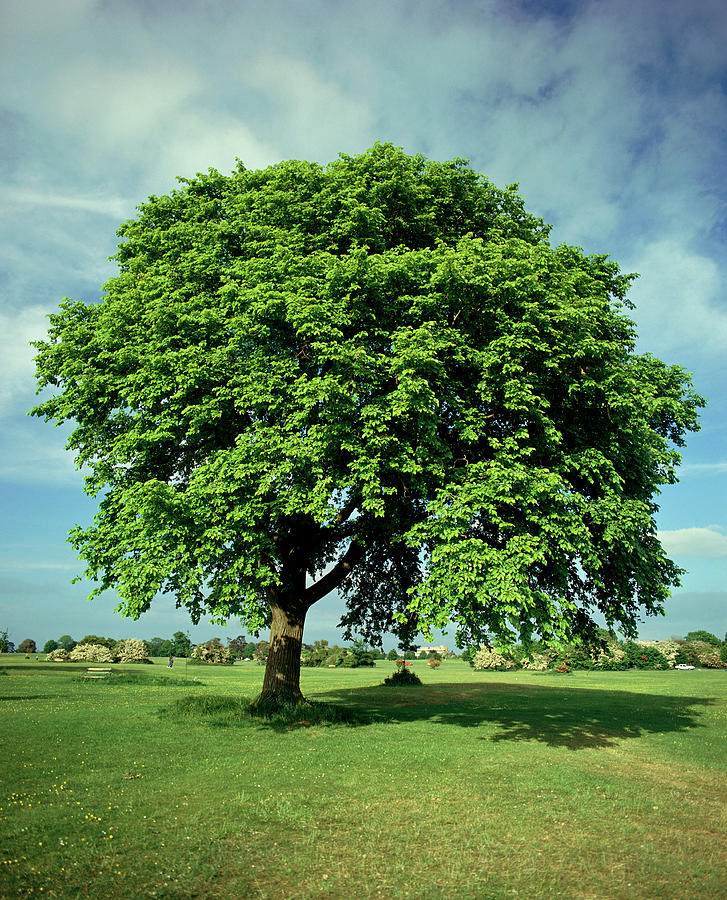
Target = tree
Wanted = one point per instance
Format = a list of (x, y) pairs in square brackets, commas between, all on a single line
[(706, 636), (50, 646), (96, 639), (6, 645), (66, 642), (392, 654), (26, 646), (378, 377), (237, 646), (181, 643)]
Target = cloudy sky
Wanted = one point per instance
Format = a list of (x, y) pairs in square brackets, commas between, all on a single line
[(611, 115)]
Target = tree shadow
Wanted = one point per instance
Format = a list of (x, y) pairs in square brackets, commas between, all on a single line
[(575, 718)]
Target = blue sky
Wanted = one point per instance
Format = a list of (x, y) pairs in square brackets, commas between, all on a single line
[(611, 115)]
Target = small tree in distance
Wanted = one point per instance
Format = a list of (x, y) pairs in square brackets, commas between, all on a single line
[(376, 377), (26, 646)]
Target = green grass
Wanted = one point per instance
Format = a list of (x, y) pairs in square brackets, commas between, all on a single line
[(476, 785)]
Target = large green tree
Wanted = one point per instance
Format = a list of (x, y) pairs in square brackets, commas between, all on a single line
[(376, 377)]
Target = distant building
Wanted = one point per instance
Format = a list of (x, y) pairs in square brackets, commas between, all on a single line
[(425, 651)]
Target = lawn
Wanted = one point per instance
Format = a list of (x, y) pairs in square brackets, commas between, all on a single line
[(476, 785)]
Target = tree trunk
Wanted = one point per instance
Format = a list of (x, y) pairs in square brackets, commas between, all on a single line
[(282, 670)]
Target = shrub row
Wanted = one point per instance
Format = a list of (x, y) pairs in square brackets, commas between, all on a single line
[(607, 654)]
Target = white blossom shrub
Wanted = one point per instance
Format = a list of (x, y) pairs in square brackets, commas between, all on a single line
[(213, 651), (59, 655), (91, 653), (488, 658), (669, 649), (536, 662), (613, 655), (703, 654), (132, 650)]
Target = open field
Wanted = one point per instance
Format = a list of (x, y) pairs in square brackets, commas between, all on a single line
[(477, 785)]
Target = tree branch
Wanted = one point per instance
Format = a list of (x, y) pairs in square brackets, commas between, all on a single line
[(331, 580)]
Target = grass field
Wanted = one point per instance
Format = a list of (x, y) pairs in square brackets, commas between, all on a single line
[(477, 785)]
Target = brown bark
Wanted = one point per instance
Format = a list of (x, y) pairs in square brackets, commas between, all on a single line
[(288, 609), (282, 670)]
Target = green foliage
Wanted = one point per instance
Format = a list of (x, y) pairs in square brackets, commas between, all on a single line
[(260, 653), (468, 654), (97, 640), (50, 645), (703, 637), (160, 647), (181, 644), (26, 646), (404, 676), (66, 642), (380, 370), (640, 656), (237, 646), (723, 653), (6, 645), (356, 655), (392, 654)]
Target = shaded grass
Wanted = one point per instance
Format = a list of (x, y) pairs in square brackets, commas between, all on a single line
[(477, 785)]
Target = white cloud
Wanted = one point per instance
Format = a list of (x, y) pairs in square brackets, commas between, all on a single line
[(16, 330), (709, 542), (113, 206)]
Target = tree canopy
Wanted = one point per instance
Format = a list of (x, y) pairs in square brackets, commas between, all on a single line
[(376, 376)]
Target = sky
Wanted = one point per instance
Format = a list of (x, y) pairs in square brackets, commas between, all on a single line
[(611, 115)]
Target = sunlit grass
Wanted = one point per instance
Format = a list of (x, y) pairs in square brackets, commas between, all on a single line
[(478, 785)]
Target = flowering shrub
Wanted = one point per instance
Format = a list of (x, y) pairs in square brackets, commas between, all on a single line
[(60, 654), (537, 662), (612, 657), (488, 658), (670, 650), (434, 663), (212, 652), (132, 651), (700, 653), (91, 653)]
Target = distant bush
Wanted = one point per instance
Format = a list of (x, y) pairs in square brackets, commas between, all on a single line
[(50, 646), (402, 677), (132, 651), (671, 650), (468, 654), (640, 656), (212, 652), (701, 653), (358, 654), (91, 653), (60, 654), (433, 662), (537, 661), (489, 658)]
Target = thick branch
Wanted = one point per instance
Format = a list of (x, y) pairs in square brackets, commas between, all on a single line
[(331, 580)]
